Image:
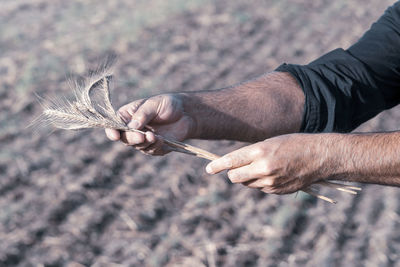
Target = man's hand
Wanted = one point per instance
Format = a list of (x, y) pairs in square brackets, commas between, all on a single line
[(163, 114), (280, 165)]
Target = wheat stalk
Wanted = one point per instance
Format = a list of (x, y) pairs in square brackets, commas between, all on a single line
[(92, 108)]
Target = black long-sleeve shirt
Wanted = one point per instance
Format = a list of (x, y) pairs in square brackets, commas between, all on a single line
[(344, 88)]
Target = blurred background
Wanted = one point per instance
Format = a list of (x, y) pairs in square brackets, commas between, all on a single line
[(77, 199)]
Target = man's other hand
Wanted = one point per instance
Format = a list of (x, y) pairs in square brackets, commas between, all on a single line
[(280, 165)]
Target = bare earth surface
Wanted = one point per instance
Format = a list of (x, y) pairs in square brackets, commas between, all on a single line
[(75, 198)]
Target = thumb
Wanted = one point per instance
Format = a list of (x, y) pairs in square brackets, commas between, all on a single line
[(144, 114)]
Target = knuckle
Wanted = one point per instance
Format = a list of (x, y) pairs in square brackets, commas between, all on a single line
[(267, 189), (271, 190), (258, 151), (265, 167), (171, 100), (252, 185), (257, 184), (268, 182), (279, 191), (169, 106)]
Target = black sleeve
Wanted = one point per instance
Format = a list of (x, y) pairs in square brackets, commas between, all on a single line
[(344, 88)]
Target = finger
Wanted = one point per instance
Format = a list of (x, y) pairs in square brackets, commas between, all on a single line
[(278, 190), (157, 149), (132, 138), (234, 159), (270, 190), (150, 139), (142, 146), (259, 183), (144, 114), (249, 182), (243, 174), (112, 134), (285, 188), (268, 181), (125, 116), (126, 111)]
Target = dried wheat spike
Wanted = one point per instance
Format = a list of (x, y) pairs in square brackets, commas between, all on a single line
[(91, 107)]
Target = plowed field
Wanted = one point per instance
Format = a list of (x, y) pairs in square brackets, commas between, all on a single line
[(77, 199)]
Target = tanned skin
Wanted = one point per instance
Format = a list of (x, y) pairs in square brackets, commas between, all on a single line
[(270, 106)]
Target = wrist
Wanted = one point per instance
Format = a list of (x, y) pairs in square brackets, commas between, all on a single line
[(188, 110), (360, 157), (332, 155)]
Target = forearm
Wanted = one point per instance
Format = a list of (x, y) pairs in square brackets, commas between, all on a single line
[(370, 158), (252, 111)]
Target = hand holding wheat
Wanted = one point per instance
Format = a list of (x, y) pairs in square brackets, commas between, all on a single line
[(92, 108), (163, 115)]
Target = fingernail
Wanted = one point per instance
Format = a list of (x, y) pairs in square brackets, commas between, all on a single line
[(114, 136), (134, 124), (209, 169)]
